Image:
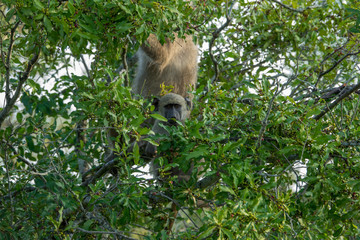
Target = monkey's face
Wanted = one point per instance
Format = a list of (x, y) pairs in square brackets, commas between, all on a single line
[(173, 107), (173, 112)]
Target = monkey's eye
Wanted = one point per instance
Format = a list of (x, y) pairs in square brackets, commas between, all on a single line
[(177, 106), (174, 106)]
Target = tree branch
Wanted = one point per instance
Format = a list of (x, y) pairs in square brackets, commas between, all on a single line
[(110, 161), (341, 97), (9, 104), (80, 138), (216, 34), (85, 66), (123, 56), (129, 63), (265, 121), (334, 66), (104, 232), (8, 64), (301, 10)]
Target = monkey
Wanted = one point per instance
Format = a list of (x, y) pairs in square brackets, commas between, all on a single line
[(175, 109), (172, 64)]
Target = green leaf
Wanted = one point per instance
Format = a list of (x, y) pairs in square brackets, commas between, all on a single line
[(125, 9), (227, 233), (38, 5), (71, 7), (227, 189), (47, 24), (200, 151), (207, 232), (291, 100), (136, 153), (124, 27), (87, 224), (10, 14), (19, 117), (86, 35), (30, 143), (151, 141), (158, 117), (338, 231), (140, 30)]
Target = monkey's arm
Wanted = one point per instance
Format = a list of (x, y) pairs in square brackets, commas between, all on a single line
[(150, 150), (157, 52)]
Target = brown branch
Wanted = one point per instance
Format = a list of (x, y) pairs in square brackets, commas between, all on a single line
[(105, 232), (265, 121), (123, 56), (7, 63), (301, 10), (350, 144), (336, 102), (24, 160), (129, 63), (251, 67), (325, 94), (216, 34), (208, 181), (101, 170), (334, 66), (80, 138), (87, 71), (2, 54), (25, 75)]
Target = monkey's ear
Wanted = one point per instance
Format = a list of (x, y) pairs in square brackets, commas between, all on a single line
[(188, 103), (156, 104)]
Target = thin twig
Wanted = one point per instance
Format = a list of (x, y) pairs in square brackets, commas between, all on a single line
[(4, 113), (105, 232), (179, 206), (336, 102), (85, 65), (2, 54), (110, 162), (129, 62), (300, 10), (216, 34), (350, 144), (123, 56), (27, 162), (265, 121), (8, 64), (334, 66)]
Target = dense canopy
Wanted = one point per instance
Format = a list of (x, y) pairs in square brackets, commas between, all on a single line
[(275, 124)]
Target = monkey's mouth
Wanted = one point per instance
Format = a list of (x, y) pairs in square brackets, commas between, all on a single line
[(172, 122)]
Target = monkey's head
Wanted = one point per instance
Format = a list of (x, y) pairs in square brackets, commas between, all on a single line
[(173, 107)]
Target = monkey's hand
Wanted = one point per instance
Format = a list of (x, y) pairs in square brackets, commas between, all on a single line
[(150, 150)]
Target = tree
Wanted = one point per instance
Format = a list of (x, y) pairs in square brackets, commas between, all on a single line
[(278, 88)]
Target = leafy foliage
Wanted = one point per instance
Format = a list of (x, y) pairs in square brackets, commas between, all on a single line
[(274, 132)]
